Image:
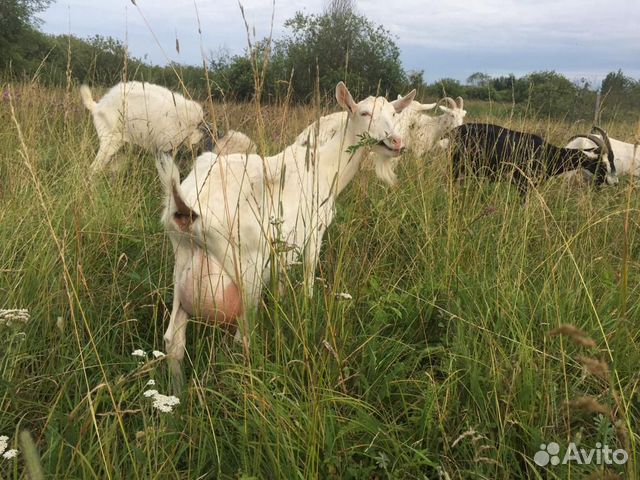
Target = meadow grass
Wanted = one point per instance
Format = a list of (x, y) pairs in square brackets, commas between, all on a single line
[(442, 365)]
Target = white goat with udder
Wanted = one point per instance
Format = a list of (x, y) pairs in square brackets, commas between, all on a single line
[(231, 213)]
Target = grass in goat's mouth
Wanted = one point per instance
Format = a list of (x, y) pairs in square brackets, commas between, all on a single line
[(382, 144)]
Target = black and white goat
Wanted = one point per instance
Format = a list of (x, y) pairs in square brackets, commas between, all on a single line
[(494, 151)]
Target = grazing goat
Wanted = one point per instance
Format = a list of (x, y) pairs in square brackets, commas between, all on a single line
[(231, 213), (423, 131), (493, 151), (625, 156), (143, 114), (419, 131)]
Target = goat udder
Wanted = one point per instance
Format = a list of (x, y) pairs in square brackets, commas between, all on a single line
[(207, 291)]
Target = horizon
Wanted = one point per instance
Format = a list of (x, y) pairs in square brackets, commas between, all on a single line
[(498, 40)]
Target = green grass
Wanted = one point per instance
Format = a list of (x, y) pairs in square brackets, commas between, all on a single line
[(455, 293)]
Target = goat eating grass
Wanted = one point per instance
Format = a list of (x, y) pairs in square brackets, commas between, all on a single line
[(142, 114), (624, 156), (232, 213), (494, 151)]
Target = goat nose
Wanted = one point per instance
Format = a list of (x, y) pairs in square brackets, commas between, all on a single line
[(397, 142)]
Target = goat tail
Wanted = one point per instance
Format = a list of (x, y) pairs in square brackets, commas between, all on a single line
[(87, 98), (167, 172)]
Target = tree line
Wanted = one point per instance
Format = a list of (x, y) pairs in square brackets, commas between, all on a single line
[(303, 66)]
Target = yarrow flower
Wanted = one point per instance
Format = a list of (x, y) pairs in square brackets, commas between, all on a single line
[(158, 354), (139, 353), (151, 382), (164, 403), (10, 453), (12, 316), (344, 296), (4, 443)]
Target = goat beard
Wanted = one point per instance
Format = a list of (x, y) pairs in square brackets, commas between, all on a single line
[(383, 166), (385, 170)]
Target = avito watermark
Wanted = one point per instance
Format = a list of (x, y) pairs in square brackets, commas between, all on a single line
[(549, 454)]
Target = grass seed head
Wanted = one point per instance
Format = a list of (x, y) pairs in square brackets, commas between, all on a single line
[(575, 334), (589, 404)]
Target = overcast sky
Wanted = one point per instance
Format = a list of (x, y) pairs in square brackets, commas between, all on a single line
[(453, 38)]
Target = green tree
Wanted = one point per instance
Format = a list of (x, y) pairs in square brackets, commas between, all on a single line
[(617, 84), (233, 77), (415, 79), (339, 44), (478, 79), (549, 94), (620, 95), (446, 87), (18, 36)]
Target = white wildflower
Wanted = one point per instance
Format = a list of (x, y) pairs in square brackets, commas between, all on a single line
[(167, 399), (151, 382), (4, 441), (344, 296), (158, 354), (12, 316), (10, 453), (164, 408), (139, 353), (165, 403)]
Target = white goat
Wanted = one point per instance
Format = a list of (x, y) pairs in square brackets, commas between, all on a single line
[(419, 131), (425, 131), (232, 212), (143, 114), (626, 156), (330, 125)]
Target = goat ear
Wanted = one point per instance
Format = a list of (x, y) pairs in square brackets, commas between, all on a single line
[(401, 103), (344, 98), (444, 109)]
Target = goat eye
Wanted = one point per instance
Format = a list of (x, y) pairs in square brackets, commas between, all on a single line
[(365, 114)]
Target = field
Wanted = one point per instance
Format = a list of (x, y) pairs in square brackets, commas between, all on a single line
[(446, 362)]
